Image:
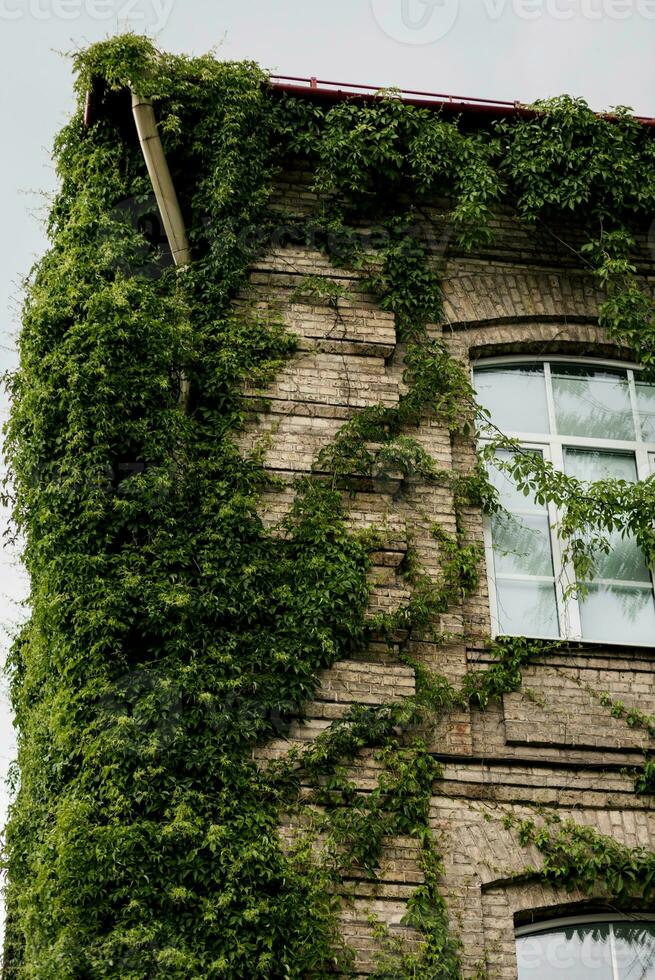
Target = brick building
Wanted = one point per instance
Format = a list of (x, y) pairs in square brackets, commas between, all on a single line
[(523, 316)]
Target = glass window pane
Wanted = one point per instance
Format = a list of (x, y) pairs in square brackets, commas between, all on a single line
[(592, 402), (646, 403), (510, 496), (635, 950), (527, 608), (618, 614), (521, 544), (575, 953), (515, 396), (625, 560), (592, 465)]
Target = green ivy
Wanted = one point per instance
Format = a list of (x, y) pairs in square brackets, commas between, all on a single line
[(172, 632), (575, 856)]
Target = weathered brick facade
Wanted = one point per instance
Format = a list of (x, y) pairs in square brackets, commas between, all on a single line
[(552, 742)]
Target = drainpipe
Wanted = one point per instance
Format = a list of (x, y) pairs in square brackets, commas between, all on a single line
[(162, 185)]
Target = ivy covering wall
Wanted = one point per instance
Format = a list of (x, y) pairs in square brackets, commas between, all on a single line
[(171, 632)]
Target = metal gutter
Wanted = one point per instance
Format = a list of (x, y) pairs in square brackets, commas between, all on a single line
[(167, 200), (324, 90), (160, 176)]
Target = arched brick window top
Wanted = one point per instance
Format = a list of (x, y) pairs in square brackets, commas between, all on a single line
[(593, 947), (541, 341), (594, 420)]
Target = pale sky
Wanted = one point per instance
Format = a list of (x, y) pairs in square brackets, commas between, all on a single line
[(501, 49)]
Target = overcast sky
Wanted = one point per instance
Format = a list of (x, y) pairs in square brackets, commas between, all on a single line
[(502, 49)]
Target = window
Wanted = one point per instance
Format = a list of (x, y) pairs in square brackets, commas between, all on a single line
[(593, 421), (594, 948)]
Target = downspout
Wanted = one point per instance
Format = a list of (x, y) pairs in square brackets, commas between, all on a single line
[(167, 202)]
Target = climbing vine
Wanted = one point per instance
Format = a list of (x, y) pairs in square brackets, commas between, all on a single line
[(580, 857), (173, 632)]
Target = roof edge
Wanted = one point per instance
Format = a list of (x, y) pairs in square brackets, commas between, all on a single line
[(324, 90)]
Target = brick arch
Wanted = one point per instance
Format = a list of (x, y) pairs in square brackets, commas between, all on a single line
[(564, 342), (474, 296), (534, 336)]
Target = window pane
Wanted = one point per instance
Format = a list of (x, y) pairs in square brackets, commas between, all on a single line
[(618, 614), (635, 950), (592, 402), (527, 608), (515, 396), (510, 496), (522, 547), (521, 544), (646, 403), (625, 560), (576, 953), (592, 465)]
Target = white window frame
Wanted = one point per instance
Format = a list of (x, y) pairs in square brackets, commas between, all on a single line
[(551, 445), (609, 918)]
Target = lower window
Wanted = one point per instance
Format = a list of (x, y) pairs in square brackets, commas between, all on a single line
[(589, 949)]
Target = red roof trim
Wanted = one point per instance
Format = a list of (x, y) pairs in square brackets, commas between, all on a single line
[(319, 88)]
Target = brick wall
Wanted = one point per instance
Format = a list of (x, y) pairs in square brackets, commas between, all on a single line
[(551, 742)]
